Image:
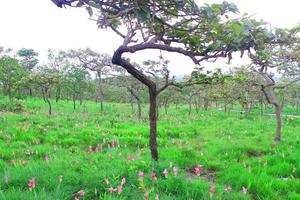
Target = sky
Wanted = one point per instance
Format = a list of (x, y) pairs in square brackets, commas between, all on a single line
[(40, 25)]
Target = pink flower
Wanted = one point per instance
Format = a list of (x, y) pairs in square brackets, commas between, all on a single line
[(120, 189), (166, 173), (31, 184), (244, 190), (46, 158), (81, 193), (153, 176), (129, 158), (228, 188), (212, 191), (106, 181), (123, 181), (111, 190), (198, 170), (141, 175), (76, 198), (175, 171)]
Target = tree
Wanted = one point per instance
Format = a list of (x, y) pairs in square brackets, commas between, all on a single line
[(96, 62), (10, 74), (46, 79), (77, 82), (57, 61), (29, 60), (200, 33), (282, 51)]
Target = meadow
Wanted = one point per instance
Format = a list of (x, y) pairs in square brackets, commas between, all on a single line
[(83, 154)]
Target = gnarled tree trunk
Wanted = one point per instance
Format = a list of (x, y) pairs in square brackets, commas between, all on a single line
[(153, 122)]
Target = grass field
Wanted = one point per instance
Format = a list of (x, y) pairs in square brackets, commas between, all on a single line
[(71, 154)]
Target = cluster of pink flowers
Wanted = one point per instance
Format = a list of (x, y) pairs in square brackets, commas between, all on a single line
[(227, 189), (198, 170), (119, 188)]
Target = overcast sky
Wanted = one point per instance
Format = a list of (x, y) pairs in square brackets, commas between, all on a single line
[(40, 25)]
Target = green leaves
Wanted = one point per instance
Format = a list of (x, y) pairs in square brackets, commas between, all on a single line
[(143, 13)]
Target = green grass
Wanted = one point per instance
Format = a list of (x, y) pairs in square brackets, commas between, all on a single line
[(233, 149)]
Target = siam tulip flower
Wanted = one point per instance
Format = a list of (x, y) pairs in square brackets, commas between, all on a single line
[(129, 158), (60, 178), (120, 189), (111, 190), (212, 191), (153, 176), (31, 184), (81, 193), (244, 190), (106, 181), (123, 181), (175, 171), (166, 173), (46, 158), (198, 170), (228, 188), (141, 175), (96, 149)]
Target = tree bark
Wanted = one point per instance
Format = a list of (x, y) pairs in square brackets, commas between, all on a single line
[(74, 102), (139, 107), (206, 103), (58, 93), (117, 60), (190, 106), (279, 122), (44, 97), (47, 95), (272, 99), (101, 93), (153, 123)]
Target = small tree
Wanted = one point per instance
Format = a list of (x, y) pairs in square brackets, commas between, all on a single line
[(282, 51), (182, 27), (96, 62), (77, 82), (10, 74), (46, 79)]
